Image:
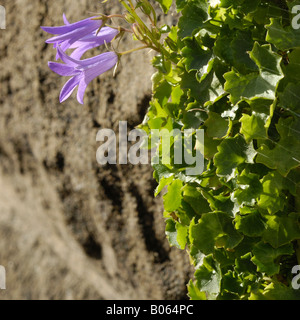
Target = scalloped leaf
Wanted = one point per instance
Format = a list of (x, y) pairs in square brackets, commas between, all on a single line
[(231, 153), (208, 277), (214, 229), (172, 199), (251, 224), (194, 293), (272, 198), (255, 85), (283, 38), (286, 154), (265, 256), (282, 230), (194, 14)]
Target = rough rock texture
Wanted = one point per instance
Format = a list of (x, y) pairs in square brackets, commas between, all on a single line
[(70, 228)]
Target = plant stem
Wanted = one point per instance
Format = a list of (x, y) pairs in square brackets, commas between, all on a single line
[(133, 50)]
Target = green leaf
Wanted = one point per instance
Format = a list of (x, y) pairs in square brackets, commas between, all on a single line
[(231, 282), (194, 119), (196, 200), (182, 235), (161, 64), (172, 199), (245, 265), (290, 98), (272, 198), (265, 256), (163, 93), (194, 14), (276, 291), (217, 126), (162, 183), (195, 57), (208, 91), (260, 84), (236, 53), (249, 189), (251, 224), (214, 229), (165, 4), (194, 293), (210, 147), (249, 6), (161, 171), (180, 4), (224, 257), (171, 233), (231, 153), (282, 230), (254, 126), (219, 202), (292, 70), (208, 277), (283, 38), (286, 154)]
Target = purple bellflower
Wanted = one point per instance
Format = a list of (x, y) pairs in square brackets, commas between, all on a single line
[(81, 36), (82, 72)]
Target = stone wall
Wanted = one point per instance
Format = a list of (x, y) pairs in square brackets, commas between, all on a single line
[(70, 228)]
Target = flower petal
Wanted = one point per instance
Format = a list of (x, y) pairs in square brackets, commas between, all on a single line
[(62, 69), (68, 88), (80, 51), (89, 41), (81, 90), (82, 64), (66, 22), (78, 32), (65, 58), (69, 27), (92, 41), (106, 34), (94, 71)]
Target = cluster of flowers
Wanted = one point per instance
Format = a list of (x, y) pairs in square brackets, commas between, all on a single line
[(80, 36)]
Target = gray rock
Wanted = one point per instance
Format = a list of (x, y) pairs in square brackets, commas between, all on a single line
[(70, 228)]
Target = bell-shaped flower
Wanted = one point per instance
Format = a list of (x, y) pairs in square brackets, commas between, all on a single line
[(81, 36), (82, 72)]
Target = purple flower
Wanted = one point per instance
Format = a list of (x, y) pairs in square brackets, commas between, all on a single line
[(82, 72), (81, 36)]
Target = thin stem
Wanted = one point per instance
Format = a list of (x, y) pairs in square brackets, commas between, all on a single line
[(156, 44), (133, 50), (138, 20), (116, 16), (119, 28), (154, 15), (131, 4)]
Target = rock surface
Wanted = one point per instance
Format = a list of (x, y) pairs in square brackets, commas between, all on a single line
[(70, 228)]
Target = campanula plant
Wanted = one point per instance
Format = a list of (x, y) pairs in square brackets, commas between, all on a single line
[(231, 69)]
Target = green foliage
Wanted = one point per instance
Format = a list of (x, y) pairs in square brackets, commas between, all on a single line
[(232, 69)]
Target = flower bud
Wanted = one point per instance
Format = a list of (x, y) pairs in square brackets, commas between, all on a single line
[(171, 44), (129, 18), (145, 6), (138, 32), (156, 33)]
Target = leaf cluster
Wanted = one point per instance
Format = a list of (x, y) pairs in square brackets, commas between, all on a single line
[(231, 68)]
